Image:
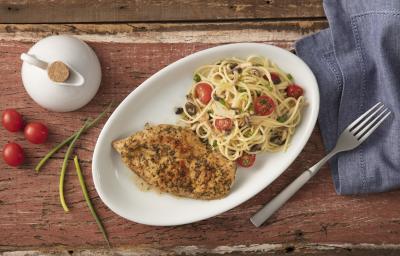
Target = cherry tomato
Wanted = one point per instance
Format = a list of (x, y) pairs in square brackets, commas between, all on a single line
[(12, 120), (224, 124), (246, 160), (203, 92), (36, 132), (294, 91), (13, 154), (264, 105)]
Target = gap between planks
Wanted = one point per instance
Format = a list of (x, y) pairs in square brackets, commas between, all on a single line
[(287, 31)]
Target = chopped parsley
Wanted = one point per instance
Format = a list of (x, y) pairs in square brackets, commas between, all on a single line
[(197, 78), (290, 77), (248, 133), (282, 118), (222, 101), (251, 107), (240, 89)]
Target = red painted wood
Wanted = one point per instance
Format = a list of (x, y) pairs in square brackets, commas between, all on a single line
[(31, 216)]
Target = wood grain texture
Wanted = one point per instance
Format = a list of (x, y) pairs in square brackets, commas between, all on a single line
[(267, 249), (315, 222), (31, 216), (72, 11), (264, 31)]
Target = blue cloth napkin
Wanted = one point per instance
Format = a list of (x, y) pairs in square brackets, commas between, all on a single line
[(357, 64)]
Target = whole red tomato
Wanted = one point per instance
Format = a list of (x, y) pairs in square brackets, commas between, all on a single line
[(12, 120), (36, 132), (13, 154)]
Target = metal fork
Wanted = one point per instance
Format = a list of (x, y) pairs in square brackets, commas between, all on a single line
[(356, 133)]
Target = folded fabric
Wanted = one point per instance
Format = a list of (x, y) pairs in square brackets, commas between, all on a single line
[(357, 64)]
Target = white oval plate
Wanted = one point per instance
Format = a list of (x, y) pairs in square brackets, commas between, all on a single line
[(154, 102)]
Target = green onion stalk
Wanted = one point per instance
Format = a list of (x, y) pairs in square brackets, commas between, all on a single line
[(64, 166), (69, 139), (87, 199)]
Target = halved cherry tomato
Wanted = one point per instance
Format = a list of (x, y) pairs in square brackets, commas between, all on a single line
[(264, 105), (203, 92), (246, 160), (294, 91), (36, 132), (12, 120), (224, 124), (13, 154)]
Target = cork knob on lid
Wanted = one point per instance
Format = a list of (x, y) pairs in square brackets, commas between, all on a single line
[(58, 71)]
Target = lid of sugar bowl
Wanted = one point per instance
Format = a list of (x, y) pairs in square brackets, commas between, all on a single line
[(61, 73)]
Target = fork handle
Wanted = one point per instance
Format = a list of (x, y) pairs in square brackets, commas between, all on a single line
[(262, 215)]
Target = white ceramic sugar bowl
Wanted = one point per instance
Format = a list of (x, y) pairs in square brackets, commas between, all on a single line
[(80, 86)]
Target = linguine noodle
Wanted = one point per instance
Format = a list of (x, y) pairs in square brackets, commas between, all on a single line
[(236, 83)]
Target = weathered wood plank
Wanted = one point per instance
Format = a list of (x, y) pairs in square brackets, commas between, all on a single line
[(31, 216), (70, 11), (256, 249), (266, 31)]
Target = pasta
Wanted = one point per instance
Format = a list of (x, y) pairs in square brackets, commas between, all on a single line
[(243, 106)]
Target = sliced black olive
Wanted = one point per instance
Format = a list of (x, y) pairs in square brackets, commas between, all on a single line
[(178, 110), (276, 139), (232, 65), (190, 108), (255, 148)]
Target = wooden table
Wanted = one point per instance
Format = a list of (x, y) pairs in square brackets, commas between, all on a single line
[(133, 40)]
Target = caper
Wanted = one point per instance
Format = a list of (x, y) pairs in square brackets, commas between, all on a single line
[(178, 111)]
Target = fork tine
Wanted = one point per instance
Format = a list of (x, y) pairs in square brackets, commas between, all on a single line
[(355, 122), (363, 130), (368, 120), (360, 127), (366, 135)]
